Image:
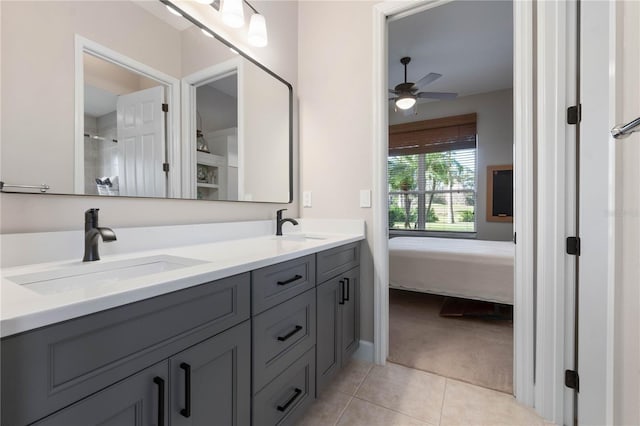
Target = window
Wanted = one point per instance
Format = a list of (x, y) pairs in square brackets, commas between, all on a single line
[(432, 175)]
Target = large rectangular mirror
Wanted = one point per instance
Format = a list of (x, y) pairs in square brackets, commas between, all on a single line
[(123, 98)]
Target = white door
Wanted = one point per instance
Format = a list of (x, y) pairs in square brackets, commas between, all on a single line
[(141, 142)]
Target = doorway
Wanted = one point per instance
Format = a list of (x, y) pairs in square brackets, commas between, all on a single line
[(523, 125), (451, 192)]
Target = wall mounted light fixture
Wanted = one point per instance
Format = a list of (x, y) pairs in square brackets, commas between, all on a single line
[(233, 15)]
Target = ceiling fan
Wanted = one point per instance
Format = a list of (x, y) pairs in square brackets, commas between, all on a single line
[(407, 93)]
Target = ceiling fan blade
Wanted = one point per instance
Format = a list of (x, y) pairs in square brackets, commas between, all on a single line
[(437, 95), (393, 91), (429, 78)]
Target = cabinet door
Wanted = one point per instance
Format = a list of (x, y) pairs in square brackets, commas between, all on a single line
[(328, 297), (210, 382), (350, 314), (140, 400)]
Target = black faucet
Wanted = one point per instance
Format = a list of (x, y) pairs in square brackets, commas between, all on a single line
[(91, 234), (280, 221)]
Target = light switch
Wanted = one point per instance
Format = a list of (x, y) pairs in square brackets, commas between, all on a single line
[(306, 199), (365, 198)]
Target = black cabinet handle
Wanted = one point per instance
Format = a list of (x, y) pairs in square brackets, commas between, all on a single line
[(348, 285), (296, 394), (290, 280), (341, 292), (289, 334), (160, 382), (186, 411)]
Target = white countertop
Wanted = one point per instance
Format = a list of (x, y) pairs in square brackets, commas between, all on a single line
[(23, 309)]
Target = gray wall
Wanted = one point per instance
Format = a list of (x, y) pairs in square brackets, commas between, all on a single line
[(495, 144)]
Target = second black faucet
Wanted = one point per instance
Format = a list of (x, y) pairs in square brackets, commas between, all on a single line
[(280, 221)]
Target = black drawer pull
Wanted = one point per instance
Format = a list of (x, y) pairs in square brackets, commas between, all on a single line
[(289, 334), (341, 292), (160, 382), (186, 411), (290, 280), (296, 394), (348, 285)]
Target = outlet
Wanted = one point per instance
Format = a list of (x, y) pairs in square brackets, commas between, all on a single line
[(365, 198), (306, 199)]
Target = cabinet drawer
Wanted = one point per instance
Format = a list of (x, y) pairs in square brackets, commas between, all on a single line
[(281, 335), (274, 284), (287, 397), (60, 364), (337, 260)]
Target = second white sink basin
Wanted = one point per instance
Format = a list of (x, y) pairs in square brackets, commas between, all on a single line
[(99, 273)]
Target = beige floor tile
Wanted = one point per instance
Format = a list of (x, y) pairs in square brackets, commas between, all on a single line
[(363, 413), (326, 410), (466, 404), (350, 377), (412, 392)]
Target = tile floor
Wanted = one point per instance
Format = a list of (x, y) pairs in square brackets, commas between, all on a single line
[(394, 395)]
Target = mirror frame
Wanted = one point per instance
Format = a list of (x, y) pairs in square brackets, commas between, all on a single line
[(245, 56)]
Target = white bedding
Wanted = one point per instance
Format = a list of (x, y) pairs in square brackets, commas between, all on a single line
[(472, 269)]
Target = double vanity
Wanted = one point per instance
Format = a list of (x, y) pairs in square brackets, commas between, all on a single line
[(235, 332)]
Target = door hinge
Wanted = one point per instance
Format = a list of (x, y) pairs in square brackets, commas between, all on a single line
[(573, 246), (572, 380), (574, 114), (165, 107), (514, 238), (165, 167)]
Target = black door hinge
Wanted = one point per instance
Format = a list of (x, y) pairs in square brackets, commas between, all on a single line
[(572, 380), (165, 107), (514, 238), (165, 167), (574, 114), (573, 246)]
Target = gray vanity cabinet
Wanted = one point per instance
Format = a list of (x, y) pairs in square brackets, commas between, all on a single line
[(53, 367), (338, 311)]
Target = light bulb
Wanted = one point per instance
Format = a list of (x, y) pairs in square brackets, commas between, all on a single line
[(258, 31), (232, 13), (405, 102)]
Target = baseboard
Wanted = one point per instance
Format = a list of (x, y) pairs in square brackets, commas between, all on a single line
[(365, 351)]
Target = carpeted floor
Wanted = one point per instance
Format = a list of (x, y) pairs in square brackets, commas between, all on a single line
[(478, 350)]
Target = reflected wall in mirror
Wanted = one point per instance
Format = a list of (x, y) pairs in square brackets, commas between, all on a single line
[(125, 99)]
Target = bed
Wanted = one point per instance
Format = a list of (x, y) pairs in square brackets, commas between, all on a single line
[(471, 269)]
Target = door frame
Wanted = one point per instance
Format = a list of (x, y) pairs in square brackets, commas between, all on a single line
[(524, 179), (189, 125), (84, 45)]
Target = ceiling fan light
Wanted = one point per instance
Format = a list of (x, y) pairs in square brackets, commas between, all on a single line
[(405, 102), (258, 31), (232, 13)]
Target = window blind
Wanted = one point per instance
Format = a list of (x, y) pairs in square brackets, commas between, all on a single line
[(436, 135)]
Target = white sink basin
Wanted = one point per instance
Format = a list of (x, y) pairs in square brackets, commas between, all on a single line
[(99, 273), (298, 237)]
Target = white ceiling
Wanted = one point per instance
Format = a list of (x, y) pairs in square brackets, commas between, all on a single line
[(469, 42)]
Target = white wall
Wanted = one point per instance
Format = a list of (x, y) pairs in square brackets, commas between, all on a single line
[(495, 144), (33, 213), (336, 130)]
